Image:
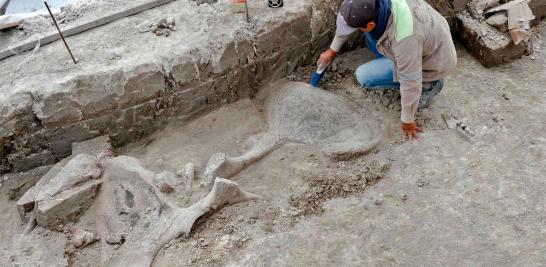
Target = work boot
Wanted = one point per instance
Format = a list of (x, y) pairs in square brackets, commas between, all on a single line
[(430, 89)]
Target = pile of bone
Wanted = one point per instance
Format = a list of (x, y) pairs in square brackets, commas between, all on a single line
[(133, 217), (163, 27)]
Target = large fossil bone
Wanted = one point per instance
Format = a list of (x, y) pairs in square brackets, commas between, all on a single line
[(219, 165), (299, 113), (133, 213)]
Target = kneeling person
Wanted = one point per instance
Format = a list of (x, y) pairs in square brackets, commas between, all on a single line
[(413, 48)]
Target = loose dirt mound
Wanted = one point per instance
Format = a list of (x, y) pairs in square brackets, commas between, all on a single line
[(324, 188)]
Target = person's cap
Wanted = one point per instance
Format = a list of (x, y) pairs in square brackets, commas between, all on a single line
[(354, 14)]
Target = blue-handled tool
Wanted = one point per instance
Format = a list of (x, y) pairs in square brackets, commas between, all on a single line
[(317, 75)]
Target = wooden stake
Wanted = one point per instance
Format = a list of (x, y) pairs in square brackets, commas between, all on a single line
[(60, 33)]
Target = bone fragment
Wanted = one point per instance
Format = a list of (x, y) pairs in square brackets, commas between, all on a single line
[(219, 165)]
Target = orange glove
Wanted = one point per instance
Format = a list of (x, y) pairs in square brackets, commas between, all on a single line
[(327, 57), (410, 131)]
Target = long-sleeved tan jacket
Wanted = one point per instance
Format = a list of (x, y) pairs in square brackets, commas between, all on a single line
[(417, 39)]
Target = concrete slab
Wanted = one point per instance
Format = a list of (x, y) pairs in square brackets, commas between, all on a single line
[(67, 206)]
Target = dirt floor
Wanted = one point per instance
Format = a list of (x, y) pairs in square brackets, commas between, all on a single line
[(449, 199)]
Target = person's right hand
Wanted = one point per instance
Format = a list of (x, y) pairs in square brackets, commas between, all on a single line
[(327, 57), (409, 130)]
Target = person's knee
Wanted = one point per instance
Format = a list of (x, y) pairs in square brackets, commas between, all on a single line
[(361, 76)]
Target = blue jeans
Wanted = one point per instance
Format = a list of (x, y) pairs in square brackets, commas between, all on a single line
[(376, 74)]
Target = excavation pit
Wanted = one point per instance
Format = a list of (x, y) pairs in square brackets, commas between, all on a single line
[(405, 204)]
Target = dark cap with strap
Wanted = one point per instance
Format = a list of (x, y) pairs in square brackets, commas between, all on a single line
[(358, 13)]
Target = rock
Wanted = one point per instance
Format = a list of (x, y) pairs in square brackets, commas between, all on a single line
[(476, 7), (46, 186), (63, 193), (81, 238), (100, 146), (144, 27), (19, 183), (499, 21), (170, 21), (162, 23), (165, 181), (78, 170), (67, 206), (44, 157)]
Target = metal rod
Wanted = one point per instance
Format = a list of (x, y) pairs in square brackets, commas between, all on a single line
[(247, 16), (60, 33), (3, 6)]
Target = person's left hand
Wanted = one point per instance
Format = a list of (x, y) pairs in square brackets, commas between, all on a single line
[(410, 131)]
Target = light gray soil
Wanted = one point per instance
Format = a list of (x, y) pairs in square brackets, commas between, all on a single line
[(445, 200)]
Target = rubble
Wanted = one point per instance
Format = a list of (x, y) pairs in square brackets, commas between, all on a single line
[(499, 20), (161, 27), (477, 7), (81, 238), (458, 125)]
